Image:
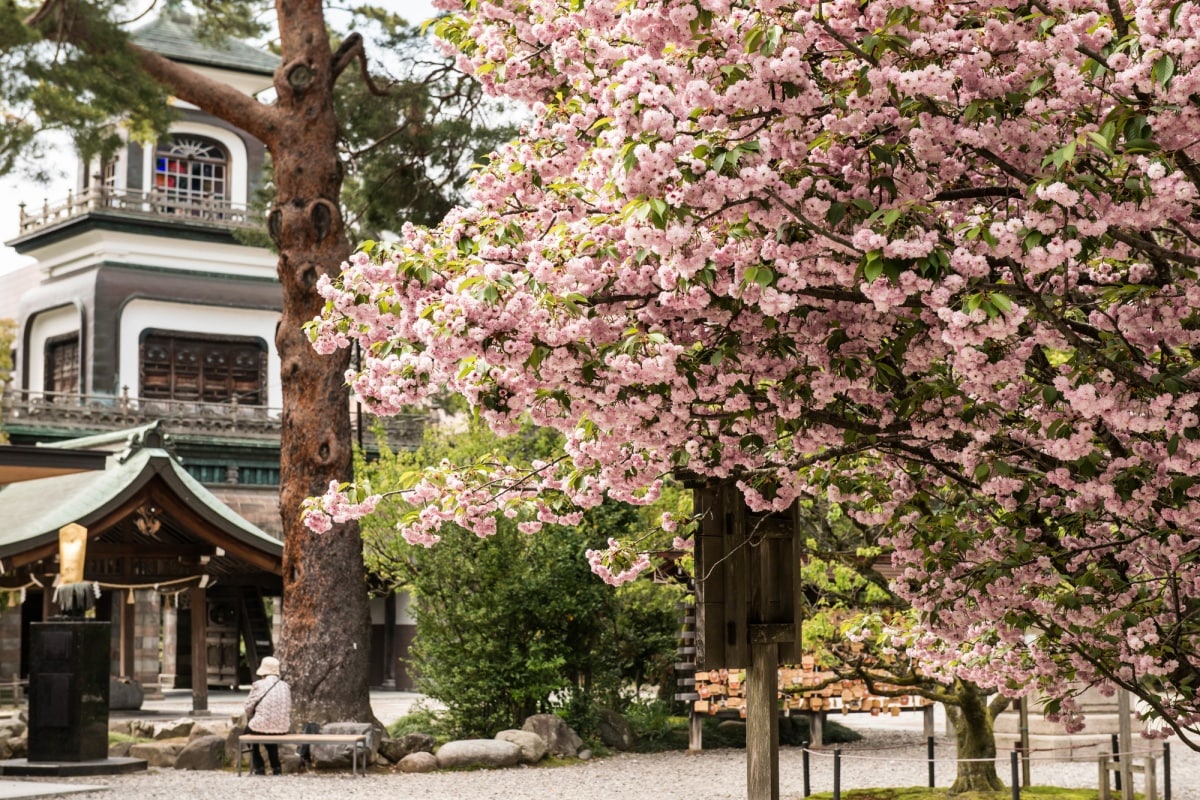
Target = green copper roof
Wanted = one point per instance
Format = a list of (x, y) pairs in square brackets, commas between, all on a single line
[(173, 34), (33, 511)]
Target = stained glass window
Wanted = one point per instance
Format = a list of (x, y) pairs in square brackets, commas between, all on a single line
[(189, 170)]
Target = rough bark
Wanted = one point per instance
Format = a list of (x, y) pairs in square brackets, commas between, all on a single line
[(975, 739), (325, 638)]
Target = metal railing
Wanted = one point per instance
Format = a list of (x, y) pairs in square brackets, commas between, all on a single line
[(153, 204), (83, 415)]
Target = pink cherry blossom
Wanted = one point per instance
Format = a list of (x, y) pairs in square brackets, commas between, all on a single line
[(936, 262)]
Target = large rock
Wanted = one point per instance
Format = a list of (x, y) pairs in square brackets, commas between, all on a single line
[(478, 753), (337, 756), (419, 762), (533, 747), (395, 750), (158, 754), (419, 742), (209, 728), (159, 729), (231, 748), (560, 739), (125, 694), (615, 730), (11, 728), (18, 746), (202, 752)]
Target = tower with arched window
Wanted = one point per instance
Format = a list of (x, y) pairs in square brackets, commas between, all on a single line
[(156, 302)]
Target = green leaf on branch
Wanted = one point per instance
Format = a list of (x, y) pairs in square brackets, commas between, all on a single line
[(1102, 144), (1061, 156), (1141, 146), (872, 265), (1163, 70)]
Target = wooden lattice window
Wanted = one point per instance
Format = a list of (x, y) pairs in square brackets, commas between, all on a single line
[(203, 369), (191, 169), (61, 374)]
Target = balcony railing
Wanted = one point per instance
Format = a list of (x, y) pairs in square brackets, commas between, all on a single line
[(83, 415), (155, 204)]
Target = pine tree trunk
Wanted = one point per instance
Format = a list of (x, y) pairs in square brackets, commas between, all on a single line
[(975, 739), (326, 631)]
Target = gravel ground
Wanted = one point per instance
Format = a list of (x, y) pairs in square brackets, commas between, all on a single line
[(883, 758)]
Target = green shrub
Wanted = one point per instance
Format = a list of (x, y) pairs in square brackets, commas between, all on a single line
[(656, 728), (514, 624), (420, 719)]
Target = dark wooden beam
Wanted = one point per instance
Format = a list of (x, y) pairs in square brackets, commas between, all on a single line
[(198, 600), (152, 550)]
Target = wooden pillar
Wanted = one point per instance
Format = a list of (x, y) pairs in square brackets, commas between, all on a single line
[(1023, 708), (762, 722), (1125, 742), (170, 643), (695, 732), (49, 607), (198, 597), (389, 641), (816, 728), (128, 623)]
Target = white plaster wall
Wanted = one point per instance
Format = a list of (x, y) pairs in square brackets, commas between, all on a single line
[(247, 83), (138, 315), (47, 325), (86, 250), (121, 169), (403, 601), (403, 613)]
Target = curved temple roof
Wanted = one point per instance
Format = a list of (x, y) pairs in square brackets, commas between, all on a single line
[(143, 472)]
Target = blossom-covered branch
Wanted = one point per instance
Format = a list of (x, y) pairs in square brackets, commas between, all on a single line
[(792, 198)]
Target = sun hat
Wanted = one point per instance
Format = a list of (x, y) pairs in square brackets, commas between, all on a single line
[(269, 666)]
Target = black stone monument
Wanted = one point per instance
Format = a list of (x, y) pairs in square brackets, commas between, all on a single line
[(68, 690)]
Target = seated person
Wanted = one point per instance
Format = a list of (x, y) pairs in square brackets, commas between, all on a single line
[(268, 710)]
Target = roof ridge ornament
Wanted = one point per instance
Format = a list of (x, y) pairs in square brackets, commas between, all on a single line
[(151, 436)]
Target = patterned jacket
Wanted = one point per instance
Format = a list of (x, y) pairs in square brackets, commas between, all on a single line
[(269, 706)]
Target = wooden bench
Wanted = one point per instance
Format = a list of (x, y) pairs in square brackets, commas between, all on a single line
[(359, 741)]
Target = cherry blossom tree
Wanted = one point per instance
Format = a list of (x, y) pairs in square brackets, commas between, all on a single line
[(934, 261)]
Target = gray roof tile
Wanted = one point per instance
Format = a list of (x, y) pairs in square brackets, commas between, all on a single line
[(173, 34)]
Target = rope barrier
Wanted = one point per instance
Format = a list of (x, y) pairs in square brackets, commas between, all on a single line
[(1015, 757), (158, 586), (165, 588), (1081, 759)]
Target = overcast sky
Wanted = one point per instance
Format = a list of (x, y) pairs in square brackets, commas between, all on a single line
[(14, 190)]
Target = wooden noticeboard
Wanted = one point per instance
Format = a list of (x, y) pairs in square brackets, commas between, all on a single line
[(747, 579)]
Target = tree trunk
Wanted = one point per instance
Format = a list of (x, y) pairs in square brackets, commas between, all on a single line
[(326, 622), (975, 739)]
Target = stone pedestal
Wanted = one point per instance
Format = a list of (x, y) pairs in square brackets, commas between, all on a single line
[(68, 690)]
